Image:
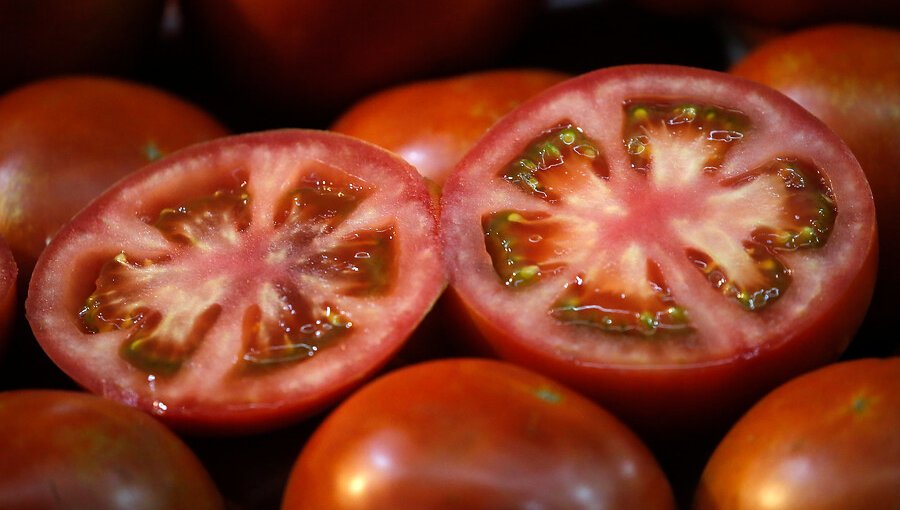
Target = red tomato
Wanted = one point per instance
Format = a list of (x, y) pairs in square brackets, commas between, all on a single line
[(432, 124), (46, 37), (241, 284), (317, 56), (849, 76), (65, 140), (468, 433), (8, 297), (64, 449), (671, 241), (827, 440)]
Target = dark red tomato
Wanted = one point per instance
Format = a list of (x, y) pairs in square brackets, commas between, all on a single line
[(243, 283), (432, 124), (65, 140), (671, 241), (474, 434), (827, 440), (317, 56), (8, 294), (46, 37), (849, 76), (64, 449)]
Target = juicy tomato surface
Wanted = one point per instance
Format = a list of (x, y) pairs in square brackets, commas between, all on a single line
[(849, 76), (671, 241), (8, 294), (317, 57), (433, 123), (65, 140), (825, 440), (67, 449), (473, 433), (243, 283)]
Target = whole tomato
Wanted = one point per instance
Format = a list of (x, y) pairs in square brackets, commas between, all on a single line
[(66, 449), (64, 140), (849, 76), (316, 56), (432, 124), (827, 440), (473, 434)]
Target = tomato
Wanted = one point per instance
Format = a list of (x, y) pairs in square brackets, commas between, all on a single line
[(470, 433), (48, 37), (241, 284), (849, 76), (671, 241), (316, 57), (66, 449), (433, 123), (825, 440), (8, 297), (70, 138)]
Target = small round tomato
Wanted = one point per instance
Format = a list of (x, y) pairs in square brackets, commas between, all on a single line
[(65, 140), (849, 76), (432, 124), (317, 56), (66, 449), (827, 440), (671, 241), (470, 433), (243, 283)]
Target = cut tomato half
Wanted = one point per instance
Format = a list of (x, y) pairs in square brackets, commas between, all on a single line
[(671, 241), (243, 283)]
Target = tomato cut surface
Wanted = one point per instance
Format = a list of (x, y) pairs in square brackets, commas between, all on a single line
[(242, 283), (668, 240)]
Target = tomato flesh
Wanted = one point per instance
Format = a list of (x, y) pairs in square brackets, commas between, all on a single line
[(249, 275)]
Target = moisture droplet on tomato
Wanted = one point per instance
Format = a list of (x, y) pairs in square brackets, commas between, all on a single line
[(251, 281), (699, 240)]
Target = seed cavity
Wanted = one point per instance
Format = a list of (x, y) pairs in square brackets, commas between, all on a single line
[(524, 246), (362, 264)]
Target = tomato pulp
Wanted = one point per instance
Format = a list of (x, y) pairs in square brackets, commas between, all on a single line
[(243, 283), (671, 241)]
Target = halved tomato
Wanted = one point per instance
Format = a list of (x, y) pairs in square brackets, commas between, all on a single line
[(671, 241), (243, 283)]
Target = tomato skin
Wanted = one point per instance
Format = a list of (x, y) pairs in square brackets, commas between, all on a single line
[(473, 433), (824, 440), (66, 449), (658, 396), (316, 57), (432, 124), (72, 137), (849, 76)]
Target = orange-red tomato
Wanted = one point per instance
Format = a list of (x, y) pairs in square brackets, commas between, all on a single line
[(827, 440), (473, 434), (65, 140), (433, 123)]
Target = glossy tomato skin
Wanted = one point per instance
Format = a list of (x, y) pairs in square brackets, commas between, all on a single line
[(849, 76), (660, 395), (70, 138), (825, 440), (432, 124), (316, 57), (227, 288), (67, 449), (473, 433)]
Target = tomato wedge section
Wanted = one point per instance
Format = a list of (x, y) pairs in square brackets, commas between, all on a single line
[(243, 283), (671, 241)]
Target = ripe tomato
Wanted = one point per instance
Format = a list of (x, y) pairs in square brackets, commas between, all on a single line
[(65, 140), (825, 440), (65, 449), (243, 283), (671, 241), (849, 76), (47, 37), (432, 124), (8, 297), (316, 56), (469, 433)]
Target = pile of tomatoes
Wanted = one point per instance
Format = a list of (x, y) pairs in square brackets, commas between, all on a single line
[(470, 254)]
